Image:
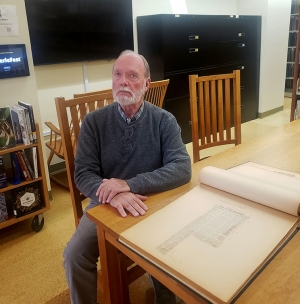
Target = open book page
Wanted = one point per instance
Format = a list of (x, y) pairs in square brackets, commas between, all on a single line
[(265, 185), (211, 240)]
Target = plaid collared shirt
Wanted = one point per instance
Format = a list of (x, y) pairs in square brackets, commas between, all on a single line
[(135, 117)]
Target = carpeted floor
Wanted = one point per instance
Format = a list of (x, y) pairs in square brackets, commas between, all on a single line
[(31, 270), (31, 263)]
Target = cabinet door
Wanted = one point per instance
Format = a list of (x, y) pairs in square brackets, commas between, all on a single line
[(232, 28), (249, 70), (179, 82), (190, 56), (249, 110), (180, 108), (189, 41), (233, 51)]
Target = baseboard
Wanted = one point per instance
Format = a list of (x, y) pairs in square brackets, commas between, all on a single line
[(57, 168), (270, 112)]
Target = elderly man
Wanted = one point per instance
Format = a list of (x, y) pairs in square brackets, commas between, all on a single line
[(125, 150)]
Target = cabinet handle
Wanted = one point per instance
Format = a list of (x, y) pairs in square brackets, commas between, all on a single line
[(193, 50), (241, 34), (242, 87), (193, 37), (241, 67), (241, 44)]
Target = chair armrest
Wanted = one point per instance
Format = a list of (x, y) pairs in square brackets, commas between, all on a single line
[(52, 127)]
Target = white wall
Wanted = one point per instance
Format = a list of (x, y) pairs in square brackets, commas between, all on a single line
[(21, 88), (275, 27)]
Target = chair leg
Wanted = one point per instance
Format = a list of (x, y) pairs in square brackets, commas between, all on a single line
[(59, 182), (52, 176), (50, 157)]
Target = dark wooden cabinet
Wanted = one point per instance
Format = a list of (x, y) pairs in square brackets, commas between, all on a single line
[(179, 45)]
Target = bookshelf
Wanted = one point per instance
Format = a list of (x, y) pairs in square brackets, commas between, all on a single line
[(38, 220), (292, 67)]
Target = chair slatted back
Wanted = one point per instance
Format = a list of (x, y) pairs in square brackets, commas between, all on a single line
[(156, 92), (70, 115), (215, 104), (92, 93)]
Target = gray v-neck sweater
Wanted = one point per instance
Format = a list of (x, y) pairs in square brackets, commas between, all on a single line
[(149, 153)]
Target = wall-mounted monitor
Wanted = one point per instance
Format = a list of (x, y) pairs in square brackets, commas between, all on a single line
[(13, 61), (78, 30)]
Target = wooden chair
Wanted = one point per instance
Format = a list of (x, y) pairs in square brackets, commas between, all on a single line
[(215, 105), (155, 95), (156, 92), (71, 113), (74, 111), (55, 145), (92, 93)]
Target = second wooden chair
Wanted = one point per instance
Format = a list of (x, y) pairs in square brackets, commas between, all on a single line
[(215, 104)]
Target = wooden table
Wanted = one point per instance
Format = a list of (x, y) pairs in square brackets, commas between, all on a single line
[(280, 280)]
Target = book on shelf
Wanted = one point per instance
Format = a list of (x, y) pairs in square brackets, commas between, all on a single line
[(16, 171), (217, 237), (26, 199), (32, 156), (22, 164), (3, 208), (16, 126), (3, 178), (31, 116), (28, 165), (28, 125), (23, 123), (7, 135)]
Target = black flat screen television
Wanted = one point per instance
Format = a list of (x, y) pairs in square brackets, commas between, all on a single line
[(64, 31), (13, 61)]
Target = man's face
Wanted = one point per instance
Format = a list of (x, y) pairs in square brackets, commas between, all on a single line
[(129, 83)]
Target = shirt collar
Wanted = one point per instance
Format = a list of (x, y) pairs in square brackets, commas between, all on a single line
[(135, 117)]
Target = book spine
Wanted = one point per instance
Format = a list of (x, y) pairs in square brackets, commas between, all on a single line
[(31, 154), (28, 165), (16, 176), (23, 167), (35, 162), (3, 179)]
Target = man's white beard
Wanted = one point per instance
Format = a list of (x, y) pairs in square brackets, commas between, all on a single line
[(128, 100)]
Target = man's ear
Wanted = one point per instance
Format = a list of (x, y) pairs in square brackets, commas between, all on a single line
[(147, 84)]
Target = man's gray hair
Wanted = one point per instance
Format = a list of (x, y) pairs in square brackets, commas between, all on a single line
[(147, 68)]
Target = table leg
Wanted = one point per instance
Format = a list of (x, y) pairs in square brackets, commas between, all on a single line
[(115, 285)]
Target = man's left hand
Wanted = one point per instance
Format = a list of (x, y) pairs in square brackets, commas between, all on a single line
[(110, 188)]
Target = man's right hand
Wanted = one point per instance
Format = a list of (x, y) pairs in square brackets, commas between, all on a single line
[(133, 203)]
